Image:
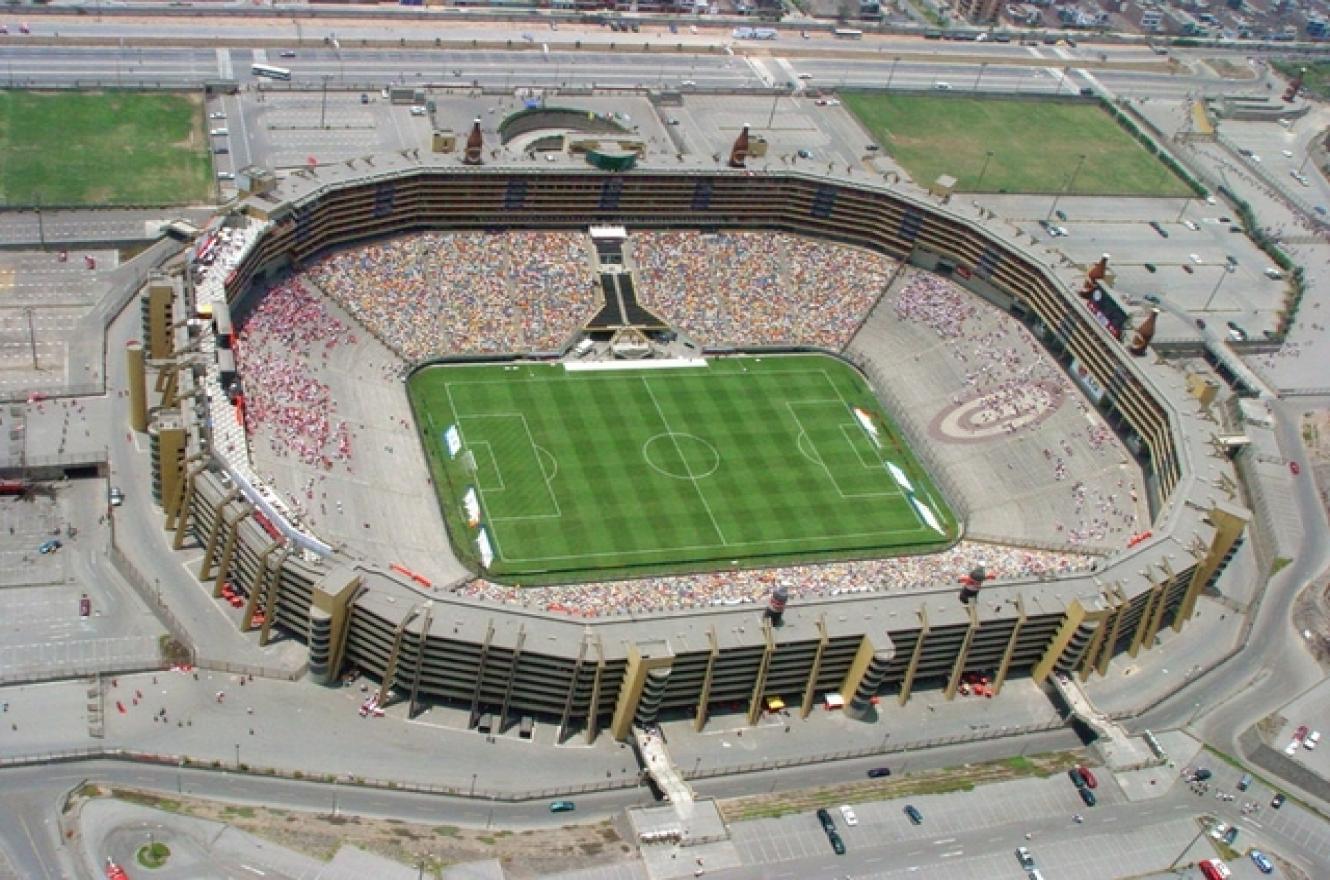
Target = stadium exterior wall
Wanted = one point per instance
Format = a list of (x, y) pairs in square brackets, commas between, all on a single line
[(505, 661)]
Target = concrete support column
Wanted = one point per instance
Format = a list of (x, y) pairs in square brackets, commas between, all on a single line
[(136, 378)]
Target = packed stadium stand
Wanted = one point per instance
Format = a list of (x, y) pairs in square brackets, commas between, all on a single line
[(463, 643)]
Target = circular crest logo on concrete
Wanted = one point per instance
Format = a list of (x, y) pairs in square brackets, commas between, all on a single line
[(997, 413)]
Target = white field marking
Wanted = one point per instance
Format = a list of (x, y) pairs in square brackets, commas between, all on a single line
[(494, 463), (675, 438), (845, 496)]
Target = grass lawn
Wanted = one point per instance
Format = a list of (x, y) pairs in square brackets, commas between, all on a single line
[(1316, 80), (1036, 144), (117, 148), (607, 473)]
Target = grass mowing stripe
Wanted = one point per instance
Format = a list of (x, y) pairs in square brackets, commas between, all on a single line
[(681, 470)]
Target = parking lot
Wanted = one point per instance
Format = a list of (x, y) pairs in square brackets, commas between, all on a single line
[(44, 630)]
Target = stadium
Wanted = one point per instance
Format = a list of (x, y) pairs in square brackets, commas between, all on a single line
[(598, 449)]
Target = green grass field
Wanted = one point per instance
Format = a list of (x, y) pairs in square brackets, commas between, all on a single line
[(1036, 145), (595, 474), (92, 148)]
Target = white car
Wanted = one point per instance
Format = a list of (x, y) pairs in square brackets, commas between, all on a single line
[(1312, 740), (848, 815), (1191, 224), (217, 114), (418, 110), (1218, 831), (1292, 748)]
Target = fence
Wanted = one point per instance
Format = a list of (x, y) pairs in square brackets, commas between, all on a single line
[(151, 596), (61, 673)]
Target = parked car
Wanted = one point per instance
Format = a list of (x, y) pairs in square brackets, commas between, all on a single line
[(1262, 863), (837, 845), (915, 816), (879, 772), (1025, 858), (1219, 830), (1151, 268), (1088, 797), (1301, 733), (562, 807), (48, 547), (1074, 774), (1278, 800), (217, 114), (1151, 298), (1245, 782), (1231, 835), (828, 823), (848, 815), (116, 496), (805, 154), (287, 53), (1089, 778), (1202, 774), (1313, 738), (1163, 233), (1295, 468)]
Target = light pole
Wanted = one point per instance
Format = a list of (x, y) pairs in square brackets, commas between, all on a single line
[(237, 756), (1218, 284), (323, 111), (1305, 161), (1062, 80), (770, 119), (473, 784), (979, 76), (1182, 210), (892, 74), (178, 785), (32, 340), (334, 786), (1071, 181), (983, 170)]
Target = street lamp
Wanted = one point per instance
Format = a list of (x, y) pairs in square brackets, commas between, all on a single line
[(1071, 181), (323, 112), (979, 76), (237, 756), (178, 784), (983, 170), (473, 784), (771, 118), (1218, 284), (891, 75)]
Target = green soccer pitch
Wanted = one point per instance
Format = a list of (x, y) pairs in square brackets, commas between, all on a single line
[(748, 461)]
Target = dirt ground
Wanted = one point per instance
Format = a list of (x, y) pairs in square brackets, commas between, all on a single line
[(926, 782), (524, 854)]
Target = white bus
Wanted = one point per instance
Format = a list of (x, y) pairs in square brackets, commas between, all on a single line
[(270, 72), (847, 34)]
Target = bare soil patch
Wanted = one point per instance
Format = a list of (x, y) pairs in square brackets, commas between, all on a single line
[(524, 854)]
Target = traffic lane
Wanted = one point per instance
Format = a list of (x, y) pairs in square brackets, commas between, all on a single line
[(321, 797)]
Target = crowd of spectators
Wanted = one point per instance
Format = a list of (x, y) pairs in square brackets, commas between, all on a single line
[(1002, 365), (758, 288), (436, 293), (280, 345), (753, 586)]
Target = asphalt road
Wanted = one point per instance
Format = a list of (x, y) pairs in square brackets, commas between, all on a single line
[(350, 66)]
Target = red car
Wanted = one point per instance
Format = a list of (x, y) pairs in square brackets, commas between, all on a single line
[(1086, 775), (1295, 468), (1301, 733)]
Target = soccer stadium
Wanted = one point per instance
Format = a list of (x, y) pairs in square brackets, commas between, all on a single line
[(604, 448)]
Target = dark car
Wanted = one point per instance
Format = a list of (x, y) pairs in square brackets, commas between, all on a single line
[(1151, 268), (915, 816), (879, 772), (828, 823), (1278, 800), (1074, 774), (837, 845), (1231, 835), (1088, 797), (562, 807), (1163, 233), (1202, 774)]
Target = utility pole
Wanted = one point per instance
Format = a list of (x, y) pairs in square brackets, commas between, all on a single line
[(32, 340), (1071, 181), (323, 111), (988, 156)]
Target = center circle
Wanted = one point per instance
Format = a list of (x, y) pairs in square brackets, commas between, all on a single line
[(681, 456)]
